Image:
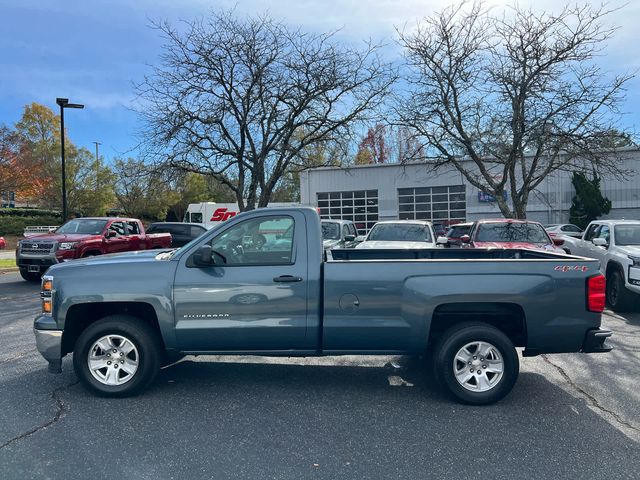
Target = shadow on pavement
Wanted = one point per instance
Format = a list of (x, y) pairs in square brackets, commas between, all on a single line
[(256, 420)]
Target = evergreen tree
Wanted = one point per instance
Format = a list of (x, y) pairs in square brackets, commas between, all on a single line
[(588, 204)]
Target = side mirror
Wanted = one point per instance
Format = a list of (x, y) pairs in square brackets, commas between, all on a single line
[(465, 238), (360, 238), (111, 234), (558, 242), (349, 238), (203, 257), (442, 240), (600, 242)]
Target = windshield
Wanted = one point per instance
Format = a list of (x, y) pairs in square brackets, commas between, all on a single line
[(627, 234), (512, 232), (84, 226), (398, 232), (330, 231)]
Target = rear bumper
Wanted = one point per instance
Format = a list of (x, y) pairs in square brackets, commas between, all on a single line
[(594, 341)]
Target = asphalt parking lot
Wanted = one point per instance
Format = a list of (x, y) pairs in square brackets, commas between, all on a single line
[(569, 416)]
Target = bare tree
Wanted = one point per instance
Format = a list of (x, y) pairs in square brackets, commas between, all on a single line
[(508, 100), (240, 99)]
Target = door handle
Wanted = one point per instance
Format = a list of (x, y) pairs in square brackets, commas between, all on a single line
[(287, 279)]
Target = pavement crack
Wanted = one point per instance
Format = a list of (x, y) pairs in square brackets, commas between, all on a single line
[(61, 409), (590, 398)]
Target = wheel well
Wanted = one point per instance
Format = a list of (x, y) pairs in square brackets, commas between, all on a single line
[(611, 266), (91, 252), (81, 316), (509, 318)]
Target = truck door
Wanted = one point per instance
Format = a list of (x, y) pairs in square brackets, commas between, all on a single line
[(116, 240), (255, 297), (133, 236)]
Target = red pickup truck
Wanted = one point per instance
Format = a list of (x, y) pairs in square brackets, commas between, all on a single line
[(84, 237)]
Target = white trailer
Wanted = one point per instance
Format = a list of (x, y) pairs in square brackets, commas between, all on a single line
[(210, 214)]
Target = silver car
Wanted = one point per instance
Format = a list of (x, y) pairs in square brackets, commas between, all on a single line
[(567, 229)]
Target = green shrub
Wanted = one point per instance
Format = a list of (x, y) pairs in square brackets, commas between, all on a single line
[(15, 225), (30, 212)]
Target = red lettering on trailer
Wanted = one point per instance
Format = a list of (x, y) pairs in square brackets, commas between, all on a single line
[(222, 214)]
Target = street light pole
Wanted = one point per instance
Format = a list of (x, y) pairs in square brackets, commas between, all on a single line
[(64, 103), (64, 172), (97, 163)]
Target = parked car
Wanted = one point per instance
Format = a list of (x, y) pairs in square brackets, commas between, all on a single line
[(181, 233), (400, 234), (125, 315), (566, 229), (338, 234), (84, 237), (3, 243), (616, 244), (510, 233), (457, 231)]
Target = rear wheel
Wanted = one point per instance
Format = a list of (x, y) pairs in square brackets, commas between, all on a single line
[(30, 276), (117, 356), (476, 363), (619, 298)]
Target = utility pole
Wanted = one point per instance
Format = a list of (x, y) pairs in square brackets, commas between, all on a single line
[(97, 164)]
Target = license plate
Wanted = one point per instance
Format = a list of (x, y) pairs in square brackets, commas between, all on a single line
[(33, 268)]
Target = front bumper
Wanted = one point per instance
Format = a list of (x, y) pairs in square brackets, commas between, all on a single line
[(49, 344), (36, 263), (594, 341)]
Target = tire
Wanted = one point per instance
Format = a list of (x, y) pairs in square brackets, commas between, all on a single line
[(487, 387), (30, 276), (138, 365), (618, 297)]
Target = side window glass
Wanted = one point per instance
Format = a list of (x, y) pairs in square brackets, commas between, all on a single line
[(196, 217), (604, 233), (352, 228), (259, 241), (345, 231), (117, 227), (591, 232), (133, 228)]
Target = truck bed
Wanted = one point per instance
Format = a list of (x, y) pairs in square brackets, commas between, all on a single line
[(445, 254)]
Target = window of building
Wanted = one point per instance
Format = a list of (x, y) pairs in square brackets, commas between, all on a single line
[(444, 205), (360, 206)]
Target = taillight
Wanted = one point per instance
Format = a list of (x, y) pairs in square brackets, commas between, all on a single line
[(596, 293)]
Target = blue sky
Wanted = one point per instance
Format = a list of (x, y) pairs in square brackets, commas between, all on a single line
[(93, 51)]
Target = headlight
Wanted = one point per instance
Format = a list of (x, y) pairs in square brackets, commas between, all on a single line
[(68, 245), (635, 261), (46, 294)]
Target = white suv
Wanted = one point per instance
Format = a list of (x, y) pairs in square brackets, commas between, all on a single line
[(616, 243)]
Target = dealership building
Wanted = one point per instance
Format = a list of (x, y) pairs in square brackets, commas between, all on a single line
[(369, 193)]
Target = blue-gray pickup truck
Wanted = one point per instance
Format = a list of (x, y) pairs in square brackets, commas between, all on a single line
[(262, 284)]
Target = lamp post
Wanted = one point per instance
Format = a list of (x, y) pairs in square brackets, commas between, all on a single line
[(97, 164), (64, 103)]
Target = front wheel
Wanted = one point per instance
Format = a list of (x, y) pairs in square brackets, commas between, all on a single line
[(117, 356), (476, 363)]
